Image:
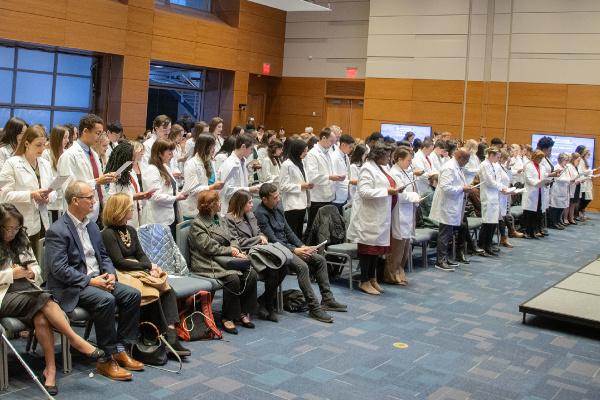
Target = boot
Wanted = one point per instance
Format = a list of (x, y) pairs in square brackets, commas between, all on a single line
[(367, 288), (515, 234), (504, 242), (376, 286), (172, 339)]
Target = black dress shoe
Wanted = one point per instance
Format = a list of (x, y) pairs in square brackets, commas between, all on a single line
[(491, 252), (52, 390), (483, 253), (444, 266), (452, 264), (460, 257)]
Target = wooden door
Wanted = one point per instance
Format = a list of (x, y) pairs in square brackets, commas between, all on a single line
[(256, 108), (356, 116), (347, 114)]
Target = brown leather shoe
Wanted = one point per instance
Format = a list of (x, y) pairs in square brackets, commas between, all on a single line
[(504, 242), (127, 362), (111, 370)]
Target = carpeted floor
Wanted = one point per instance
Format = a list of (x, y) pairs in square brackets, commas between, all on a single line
[(446, 336)]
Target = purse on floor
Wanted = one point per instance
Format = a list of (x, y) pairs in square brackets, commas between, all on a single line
[(152, 347)]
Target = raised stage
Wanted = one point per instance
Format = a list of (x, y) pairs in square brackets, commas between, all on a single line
[(574, 299)]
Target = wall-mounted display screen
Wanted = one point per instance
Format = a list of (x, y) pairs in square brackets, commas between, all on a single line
[(397, 131), (566, 144)]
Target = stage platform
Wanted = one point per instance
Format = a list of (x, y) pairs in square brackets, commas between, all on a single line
[(574, 299)]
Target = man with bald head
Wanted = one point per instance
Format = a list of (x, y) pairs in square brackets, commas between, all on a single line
[(448, 205)]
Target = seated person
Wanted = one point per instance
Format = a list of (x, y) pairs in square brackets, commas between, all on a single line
[(274, 226), (423, 220), (125, 251), (81, 274), (22, 298), (209, 237), (244, 228)]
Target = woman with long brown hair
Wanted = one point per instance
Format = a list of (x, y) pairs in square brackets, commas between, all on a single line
[(532, 197), (59, 139)]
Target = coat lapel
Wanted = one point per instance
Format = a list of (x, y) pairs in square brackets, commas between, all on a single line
[(73, 230)]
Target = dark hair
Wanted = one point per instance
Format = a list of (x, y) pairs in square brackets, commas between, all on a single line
[(72, 137), (238, 201), (12, 129), (407, 135), (295, 150), (481, 148), (545, 142), (228, 145), (243, 139), (187, 122), (198, 129), (497, 142), (378, 152), (159, 147), (266, 189), (580, 149), (56, 138), (347, 139), (272, 149), (161, 121), (451, 147), (89, 121), (417, 144), (311, 142), (441, 144), (20, 244), (114, 127), (325, 133), (212, 125), (389, 140), (204, 143), (357, 154), (122, 153), (374, 137), (401, 153), (427, 142), (236, 130)]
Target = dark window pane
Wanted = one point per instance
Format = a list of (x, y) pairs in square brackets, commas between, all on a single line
[(35, 60), (6, 84), (7, 57), (203, 5), (73, 64), (41, 117), (174, 103), (4, 116), (72, 92), (33, 88), (67, 117), (168, 76)]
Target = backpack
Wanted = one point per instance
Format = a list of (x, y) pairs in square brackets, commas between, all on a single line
[(198, 324), (293, 301)]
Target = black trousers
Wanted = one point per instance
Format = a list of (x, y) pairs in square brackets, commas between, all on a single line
[(162, 312), (295, 219), (368, 266), (583, 202), (239, 295), (312, 212), (443, 242), (486, 235), (554, 215), (101, 304), (272, 279), (317, 266)]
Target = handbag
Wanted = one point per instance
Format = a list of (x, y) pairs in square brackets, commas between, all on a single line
[(151, 347), (233, 263), (197, 324)]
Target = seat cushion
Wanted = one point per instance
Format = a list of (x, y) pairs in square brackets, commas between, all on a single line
[(215, 284), (79, 315), (424, 235), (185, 286), (474, 222), (12, 326), (344, 248)]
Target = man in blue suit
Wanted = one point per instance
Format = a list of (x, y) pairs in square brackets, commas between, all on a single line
[(81, 274)]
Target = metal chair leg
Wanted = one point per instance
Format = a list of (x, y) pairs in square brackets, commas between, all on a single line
[(31, 341), (66, 354), (88, 329), (410, 256), (3, 366), (424, 246), (279, 298)]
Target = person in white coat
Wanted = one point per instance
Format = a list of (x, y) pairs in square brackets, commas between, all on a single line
[(448, 205), (439, 155), (293, 186), (234, 171), (200, 127), (559, 193), (13, 131), (27, 177), (403, 218), (81, 162), (371, 222), (215, 128), (341, 167), (532, 197), (59, 138), (507, 222), (472, 167), (587, 187), (197, 172), (161, 127), (574, 188), (545, 144), (319, 172), (490, 189), (423, 166), (357, 159), (114, 132), (161, 207), (517, 165), (271, 163)]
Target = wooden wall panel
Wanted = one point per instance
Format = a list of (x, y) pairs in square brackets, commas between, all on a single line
[(31, 28), (112, 14), (538, 95), (55, 9), (583, 121), (387, 110), (585, 97), (537, 119), (395, 89)]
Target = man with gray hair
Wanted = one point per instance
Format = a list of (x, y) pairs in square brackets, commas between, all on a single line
[(80, 273)]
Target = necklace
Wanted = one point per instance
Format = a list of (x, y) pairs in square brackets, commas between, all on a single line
[(125, 238)]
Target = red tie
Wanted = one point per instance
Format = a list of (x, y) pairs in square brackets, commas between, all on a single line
[(427, 158), (96, 175)]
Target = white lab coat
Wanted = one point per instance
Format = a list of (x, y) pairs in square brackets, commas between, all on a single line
[(194, 173), (546, 169), (447, 206), (58, 203), (420, 162), (533, 181), (403, 214), (587, 186), (573, 174), (559, 192), (505, 178), (219, 160), (6, 152), (6, 273), (354, 171), (516, 164), (19, 181), (318, 168), (269, 171), (138, 214), (75, 162), (436, 161), (148, 143), (371, 218), (293, 196), (472, 168), (238, 179), (341, 166), (160, 208), (489, 192)]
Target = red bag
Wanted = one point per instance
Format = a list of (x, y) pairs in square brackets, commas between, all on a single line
[(197, 324)]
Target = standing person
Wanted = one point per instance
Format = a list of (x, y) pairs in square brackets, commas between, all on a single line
[(371, 221), (161, 127), (532, 197), (545, 144), (357, 159), (233, 172), (559, 193), (271, 164), (574, 187), (101, 148), (319, 172), (158, 179), (200, 127), (81, 274), (422, 162), (225, 151), (177, 136), (341, 167), (294, 188), (472, 167), (439, 154), (448, 205), (13, 131), (587, 187), (507, 222), (516, 165), (215, 128), (22, 298), (73, 134), (81, 162), (403, 218), (59, 138), (490, 189), (197, 171), (114, 131), (26, 178)]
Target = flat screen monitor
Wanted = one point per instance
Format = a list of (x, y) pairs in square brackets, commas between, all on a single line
[(566, 144), (397, 131)]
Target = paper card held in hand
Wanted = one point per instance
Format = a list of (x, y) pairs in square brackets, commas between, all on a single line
[(58, 182), (122, 168)]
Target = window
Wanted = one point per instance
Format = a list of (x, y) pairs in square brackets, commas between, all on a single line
[(176, 92), (44, 87), (201, 5)]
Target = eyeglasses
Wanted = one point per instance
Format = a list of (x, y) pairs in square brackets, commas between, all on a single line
[(10, 229), (91, 197)]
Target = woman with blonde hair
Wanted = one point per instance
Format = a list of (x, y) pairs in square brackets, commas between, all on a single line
[(472, 167), (135, 269)]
